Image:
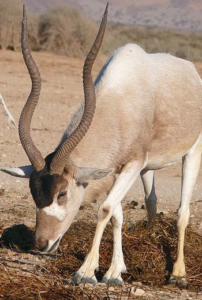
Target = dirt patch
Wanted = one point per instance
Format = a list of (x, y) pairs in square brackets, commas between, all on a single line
[(149, 255)]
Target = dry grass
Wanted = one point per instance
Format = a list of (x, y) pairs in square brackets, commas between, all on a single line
[(149, 256), (66, 31), (186, 45)]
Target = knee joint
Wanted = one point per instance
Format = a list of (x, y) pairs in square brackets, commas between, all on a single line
[(104, 211), (183, 217)]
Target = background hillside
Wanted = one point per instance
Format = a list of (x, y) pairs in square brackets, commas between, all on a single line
[(68, 27), (177, 14)]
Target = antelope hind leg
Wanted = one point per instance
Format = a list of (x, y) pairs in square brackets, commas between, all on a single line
[(190, 169), (150, 195)]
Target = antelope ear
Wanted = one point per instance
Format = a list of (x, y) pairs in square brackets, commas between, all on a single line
[(23, 171), (85, 174)]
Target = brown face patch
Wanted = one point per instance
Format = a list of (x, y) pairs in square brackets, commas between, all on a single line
[(44, 186), (43, 227)]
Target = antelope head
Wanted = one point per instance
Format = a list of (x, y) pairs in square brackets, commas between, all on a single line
[(56, 183)]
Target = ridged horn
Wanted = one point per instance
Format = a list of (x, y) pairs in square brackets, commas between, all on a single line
[(62, 154), (32, 152)]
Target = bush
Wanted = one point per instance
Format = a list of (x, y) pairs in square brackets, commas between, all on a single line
[(10, 19), (66, 31), (10, 25)]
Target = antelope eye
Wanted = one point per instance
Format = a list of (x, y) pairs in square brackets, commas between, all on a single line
[(63, 193)]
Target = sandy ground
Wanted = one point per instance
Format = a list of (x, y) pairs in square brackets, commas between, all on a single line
[(61, 94)]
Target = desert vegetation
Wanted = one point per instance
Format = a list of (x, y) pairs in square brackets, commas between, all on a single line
[(10, 12), (65, 31)]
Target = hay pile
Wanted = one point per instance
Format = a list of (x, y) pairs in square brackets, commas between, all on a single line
[(149, 253), (149, 256)]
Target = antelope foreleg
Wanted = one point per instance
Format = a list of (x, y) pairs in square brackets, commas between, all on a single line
[(113, 275), (106, 210)]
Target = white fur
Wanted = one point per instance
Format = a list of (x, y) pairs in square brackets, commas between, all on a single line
[(55, 210), (23, 171), (117, 265)]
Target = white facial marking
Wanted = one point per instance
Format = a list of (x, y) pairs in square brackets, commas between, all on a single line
[(52, 245), (55, 210)]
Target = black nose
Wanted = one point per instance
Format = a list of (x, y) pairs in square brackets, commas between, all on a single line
[(41, 244)]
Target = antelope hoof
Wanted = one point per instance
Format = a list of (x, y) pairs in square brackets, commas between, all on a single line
[(112, 281), (179, 281), (78, 279)]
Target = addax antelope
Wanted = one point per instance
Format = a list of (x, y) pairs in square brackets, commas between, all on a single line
[(148, 115)]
